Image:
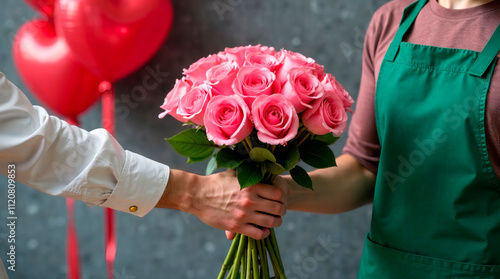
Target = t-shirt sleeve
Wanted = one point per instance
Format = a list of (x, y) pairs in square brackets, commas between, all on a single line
[(362, 142)]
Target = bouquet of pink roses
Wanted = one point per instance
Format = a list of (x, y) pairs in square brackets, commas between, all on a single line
[(259, 112)]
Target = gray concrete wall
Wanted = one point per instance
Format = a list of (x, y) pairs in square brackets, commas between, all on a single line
[(168, 243)]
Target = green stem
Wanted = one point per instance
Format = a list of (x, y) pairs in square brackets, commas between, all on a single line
[(273, 147), (276, 247), (250, 145), (261, 248), (275, 270), (248, 260), (268, 178), (239, 254), (230, 274), (253, 247), (274, 259), (243, 266), (303, 139), (246, 147), (230, 257), (300, 132)]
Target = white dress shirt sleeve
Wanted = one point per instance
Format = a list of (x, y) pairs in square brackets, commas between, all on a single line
[(63, 160)]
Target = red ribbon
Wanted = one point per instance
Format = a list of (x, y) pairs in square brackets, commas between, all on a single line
[(72, 251), (108, 123)]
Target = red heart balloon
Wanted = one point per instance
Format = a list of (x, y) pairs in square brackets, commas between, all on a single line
[(44, 6), (114, 37), (50, 71)]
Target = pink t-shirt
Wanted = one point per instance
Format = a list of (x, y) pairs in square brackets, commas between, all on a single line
[(436, 26)]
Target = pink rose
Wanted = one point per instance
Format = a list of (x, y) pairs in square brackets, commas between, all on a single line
[(173, 97), (227, 120), (193, 104), (259, 59), (221, 77), (302, 88), (331, 84), (196, 73), (326, 115), (289, 60), (268, 50), (319, 71), (237, 54), (252, 82), (275, 119)]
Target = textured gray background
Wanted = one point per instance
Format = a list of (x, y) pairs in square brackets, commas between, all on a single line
[(168, 243)]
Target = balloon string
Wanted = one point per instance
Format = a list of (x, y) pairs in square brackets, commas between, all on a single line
[(108, 123), (110, 241), (72, 251), (73, 255)]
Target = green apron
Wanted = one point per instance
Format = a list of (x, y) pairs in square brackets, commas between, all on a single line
[(436, 208)]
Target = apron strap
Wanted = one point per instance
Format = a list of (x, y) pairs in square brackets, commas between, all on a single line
[(487, 56), (409, 15)]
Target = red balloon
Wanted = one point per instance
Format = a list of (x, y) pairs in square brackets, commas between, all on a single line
[(50, 71), (44, 6), (114, 38)]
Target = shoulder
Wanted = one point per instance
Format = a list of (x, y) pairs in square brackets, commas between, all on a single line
[(390, 13), (385, 21), (392, 8)]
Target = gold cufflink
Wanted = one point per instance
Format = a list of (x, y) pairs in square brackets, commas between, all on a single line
[(133, 208)]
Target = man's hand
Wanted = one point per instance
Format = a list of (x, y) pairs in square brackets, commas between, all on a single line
[(278, 183), (218, 201)]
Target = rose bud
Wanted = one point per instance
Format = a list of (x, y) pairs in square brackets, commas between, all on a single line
[(221, 77), (252, 82), (289, 60), (227, 120), (172, 99), (197, 72), (275, 119), (302, 88), (331, 84), (261, 60), (327, 115), (237, 54), (193, 104)]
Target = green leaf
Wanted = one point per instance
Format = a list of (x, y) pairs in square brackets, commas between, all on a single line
[(249, 173), (317, 154), (259, 154), (326, 138), (274, 168), (300, 176), (228, 158), (198, 159), (211, 166), (192, 143), (288, 156)]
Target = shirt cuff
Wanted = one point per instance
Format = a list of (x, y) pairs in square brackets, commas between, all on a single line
[(140, 185)]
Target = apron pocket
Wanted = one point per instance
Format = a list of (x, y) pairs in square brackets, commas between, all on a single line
[(383, 262)]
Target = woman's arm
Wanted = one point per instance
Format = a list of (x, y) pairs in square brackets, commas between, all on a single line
[(335, 190)]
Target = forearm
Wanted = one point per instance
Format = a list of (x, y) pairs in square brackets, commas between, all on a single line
[(180, 191), (337, 189)]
